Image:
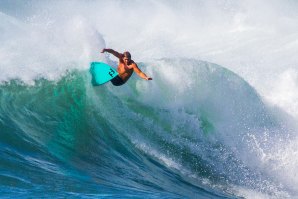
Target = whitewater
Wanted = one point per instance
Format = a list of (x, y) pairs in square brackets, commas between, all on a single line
[(218, 120)]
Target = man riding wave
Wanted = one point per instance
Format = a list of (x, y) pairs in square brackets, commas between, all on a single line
[(125, 68)]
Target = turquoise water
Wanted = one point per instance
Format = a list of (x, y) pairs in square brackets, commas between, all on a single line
[(67, 138), (218, 120)]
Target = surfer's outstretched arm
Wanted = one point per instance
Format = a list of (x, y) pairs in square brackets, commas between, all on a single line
[(140, 73), (113, 52)]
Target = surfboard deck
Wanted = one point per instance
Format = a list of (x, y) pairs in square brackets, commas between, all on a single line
[(101, 73)]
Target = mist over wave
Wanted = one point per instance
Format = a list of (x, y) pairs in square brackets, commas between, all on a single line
[(210, 130)]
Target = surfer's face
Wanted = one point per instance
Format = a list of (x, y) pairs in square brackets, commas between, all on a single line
[(126, 57), (126, 60)]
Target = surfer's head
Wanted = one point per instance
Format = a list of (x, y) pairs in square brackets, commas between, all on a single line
[(126, 57)]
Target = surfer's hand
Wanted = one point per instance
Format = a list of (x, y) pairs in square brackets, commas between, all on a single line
[(149, 78), (103, 50)]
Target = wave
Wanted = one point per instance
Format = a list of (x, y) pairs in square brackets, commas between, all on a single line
[(195, 131), (198, 130)]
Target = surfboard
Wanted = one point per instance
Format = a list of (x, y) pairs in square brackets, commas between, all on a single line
[(101, 73)]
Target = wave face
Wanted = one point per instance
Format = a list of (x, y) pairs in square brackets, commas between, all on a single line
[(198, 130), (194, 138)]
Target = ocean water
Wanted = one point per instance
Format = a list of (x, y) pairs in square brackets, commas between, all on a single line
[(219, 119)]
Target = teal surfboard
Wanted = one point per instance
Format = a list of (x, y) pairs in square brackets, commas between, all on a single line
[(101, 73)]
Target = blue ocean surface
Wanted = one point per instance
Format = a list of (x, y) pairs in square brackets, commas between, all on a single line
[(220, 128)]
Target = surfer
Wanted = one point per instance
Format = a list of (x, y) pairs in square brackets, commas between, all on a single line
[(125, 68)]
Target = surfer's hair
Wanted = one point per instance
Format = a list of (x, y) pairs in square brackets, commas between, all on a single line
[(127, 54)]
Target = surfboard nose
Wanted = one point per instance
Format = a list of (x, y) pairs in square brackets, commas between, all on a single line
[(101, 73)]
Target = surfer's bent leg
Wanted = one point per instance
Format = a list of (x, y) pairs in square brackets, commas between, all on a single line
[(117, 81)]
